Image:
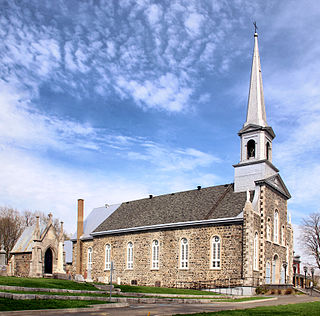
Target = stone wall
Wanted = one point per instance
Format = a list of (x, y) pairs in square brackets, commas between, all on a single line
[(169, 272), (275, 201), (22, 264)]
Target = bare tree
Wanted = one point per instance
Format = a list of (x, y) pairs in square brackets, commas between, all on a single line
[(11, 227), (29, 218), (311, 235)]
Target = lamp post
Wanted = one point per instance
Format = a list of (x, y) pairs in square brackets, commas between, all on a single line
[(312, 273), (305, 269), (294, 275), (285, 265)]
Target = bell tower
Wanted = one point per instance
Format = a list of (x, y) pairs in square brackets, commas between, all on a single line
[(256, 135)]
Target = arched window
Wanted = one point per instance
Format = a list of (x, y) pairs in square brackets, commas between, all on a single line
[(108, 257), (251, 149), (130, 255), (268, 230), (216, 252), (268, 149), (255, 251), (89, 258), (184, 256), (155, 254), (276, 227), (268, 273)]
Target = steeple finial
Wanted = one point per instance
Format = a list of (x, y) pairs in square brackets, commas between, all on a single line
[(256, 112), (255, 27)]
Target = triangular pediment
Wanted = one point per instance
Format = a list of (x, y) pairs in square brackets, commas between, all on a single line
[(276, 183), (49, 230)]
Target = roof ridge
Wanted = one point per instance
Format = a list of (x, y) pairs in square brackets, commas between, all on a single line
[(175, 193), (222, 196)]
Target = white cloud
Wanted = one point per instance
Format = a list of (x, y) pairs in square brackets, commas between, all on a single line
[(166, 92), (173, 159), (193, 23), (154, 13)]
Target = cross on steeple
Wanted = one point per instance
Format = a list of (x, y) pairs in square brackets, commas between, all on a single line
[(255, 26)]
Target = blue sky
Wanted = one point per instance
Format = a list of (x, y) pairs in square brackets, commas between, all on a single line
[(114, 100)]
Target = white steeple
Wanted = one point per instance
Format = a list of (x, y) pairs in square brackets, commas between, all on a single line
[(256, 112), (256, 136)]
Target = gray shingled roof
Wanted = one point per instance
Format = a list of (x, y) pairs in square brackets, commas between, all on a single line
[(207, 203)]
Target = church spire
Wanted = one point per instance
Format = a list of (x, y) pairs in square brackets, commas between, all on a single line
[(256, 112), (256, 136)]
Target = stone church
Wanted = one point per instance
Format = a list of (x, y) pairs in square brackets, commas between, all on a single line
[(38, 251), (232, 234)]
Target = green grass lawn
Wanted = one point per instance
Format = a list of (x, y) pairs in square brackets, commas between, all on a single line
[(161, 290), (46, 283), (302, 309), (15, 305)]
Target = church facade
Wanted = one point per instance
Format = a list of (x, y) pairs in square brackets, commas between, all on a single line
[(232, 234)]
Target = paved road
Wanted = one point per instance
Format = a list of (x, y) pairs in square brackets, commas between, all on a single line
[(169, 309)]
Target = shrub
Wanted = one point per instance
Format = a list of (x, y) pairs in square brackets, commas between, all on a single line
[(288, 291), (261, 290)]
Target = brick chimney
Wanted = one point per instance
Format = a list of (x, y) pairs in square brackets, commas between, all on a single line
[(80, 219), (79, 234)]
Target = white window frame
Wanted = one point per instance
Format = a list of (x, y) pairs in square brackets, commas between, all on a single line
[(108, 257), (255, 251), (184, 253), (276, 227), (155, 255), (130, 255), (216, 252), (90, 251)]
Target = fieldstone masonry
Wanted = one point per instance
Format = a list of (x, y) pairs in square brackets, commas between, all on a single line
[(169, 272)]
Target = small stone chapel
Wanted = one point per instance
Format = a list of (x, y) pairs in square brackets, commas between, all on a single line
[(38, 251)]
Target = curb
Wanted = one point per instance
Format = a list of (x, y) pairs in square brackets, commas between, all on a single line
[(262, 300)]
